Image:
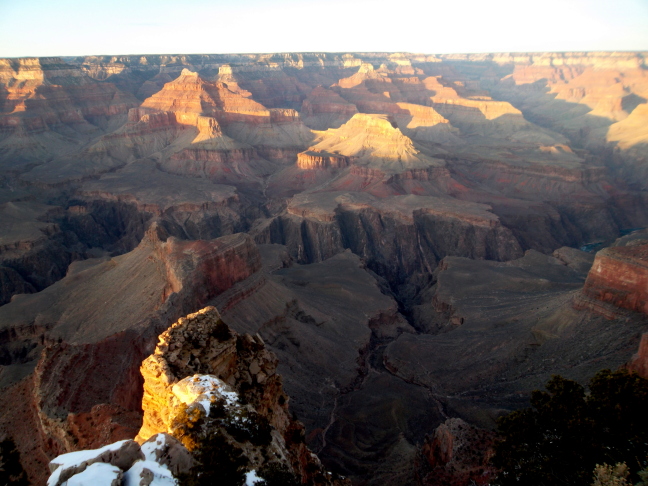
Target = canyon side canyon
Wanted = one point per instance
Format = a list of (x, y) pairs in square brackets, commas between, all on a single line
[(412, 242)]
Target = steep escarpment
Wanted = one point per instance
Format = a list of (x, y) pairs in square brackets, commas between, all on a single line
[(34, 252), (187, 207), (326, 322), (64, 339), (214, 407), (398, 237)]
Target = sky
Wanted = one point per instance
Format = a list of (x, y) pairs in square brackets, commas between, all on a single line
[(119, 27)]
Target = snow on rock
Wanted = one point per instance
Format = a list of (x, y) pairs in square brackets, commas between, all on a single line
[(251, 478), (150, 473), (167, 451), (204, 390), (121, 454), (124, 463), (97, 474), (151, 447)]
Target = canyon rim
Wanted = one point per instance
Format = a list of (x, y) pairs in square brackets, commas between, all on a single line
[(411, 242)]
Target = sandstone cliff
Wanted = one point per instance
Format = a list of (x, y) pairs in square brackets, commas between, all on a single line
[(619, 276), (200, 363)]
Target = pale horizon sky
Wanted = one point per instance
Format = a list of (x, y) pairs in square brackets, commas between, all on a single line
[(39, 28)]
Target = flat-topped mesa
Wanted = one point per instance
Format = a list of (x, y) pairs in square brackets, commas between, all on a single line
[(619, 276), (420, 112), (311, 159), (204, 380), (374, 141)]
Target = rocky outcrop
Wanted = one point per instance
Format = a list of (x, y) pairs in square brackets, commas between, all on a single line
[(619, 276), (158, 461), (267, 83), (376, 142), (200, 365), (189, 93), (639, 361)]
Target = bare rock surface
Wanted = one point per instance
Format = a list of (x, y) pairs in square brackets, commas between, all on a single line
[(619, 276), (200, 363)]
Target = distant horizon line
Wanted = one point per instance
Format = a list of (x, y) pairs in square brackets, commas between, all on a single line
[(70, 56)]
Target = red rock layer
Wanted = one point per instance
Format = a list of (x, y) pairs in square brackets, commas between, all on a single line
[(457, 455), (189, 93), (321, 160), (619, 276), (45, 92)]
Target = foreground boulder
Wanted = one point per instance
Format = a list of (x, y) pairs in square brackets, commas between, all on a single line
[(155, 463)]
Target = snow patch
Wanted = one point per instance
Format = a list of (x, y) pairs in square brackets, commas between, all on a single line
[(71, 459), (97, 474), (251, 478), (149, 449), (161, 474), (204, 390)]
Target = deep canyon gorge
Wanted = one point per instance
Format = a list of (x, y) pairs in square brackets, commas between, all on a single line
[(418, 240)]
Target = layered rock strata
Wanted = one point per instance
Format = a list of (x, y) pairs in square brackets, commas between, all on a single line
[(619, 276)]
